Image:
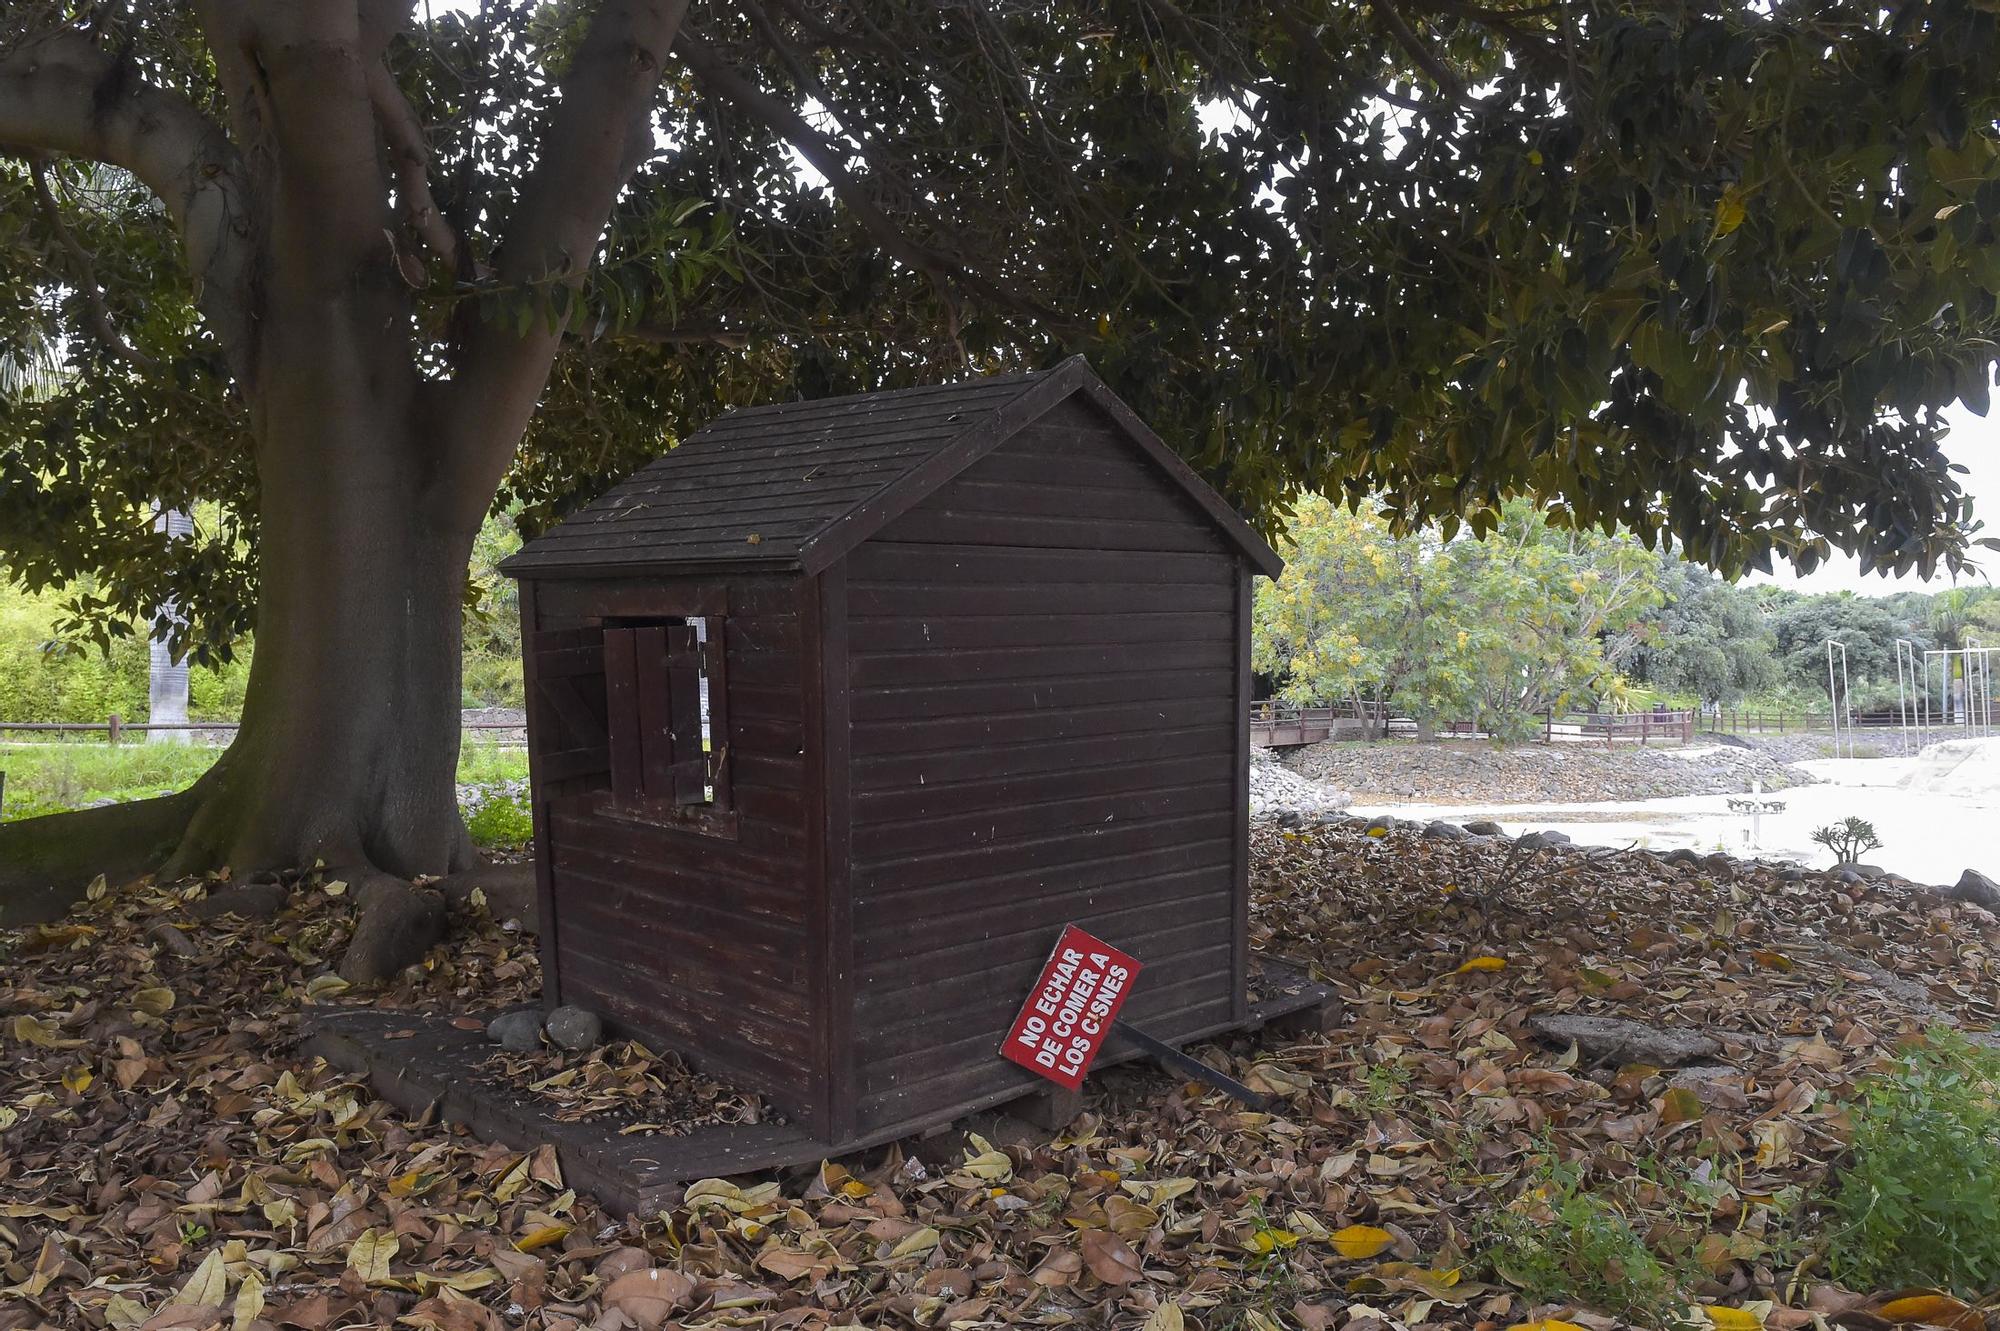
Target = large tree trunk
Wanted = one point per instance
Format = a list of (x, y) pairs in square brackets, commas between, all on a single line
[(350, 730), (351, 726)]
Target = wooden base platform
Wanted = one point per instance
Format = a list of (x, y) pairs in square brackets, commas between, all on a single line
[(418, 1062)]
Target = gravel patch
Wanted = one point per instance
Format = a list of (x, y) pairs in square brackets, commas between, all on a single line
[(1391, 772)]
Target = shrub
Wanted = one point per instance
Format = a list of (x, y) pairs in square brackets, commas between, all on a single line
[(501, 822), (1566, 1243), (1849, 839), (1919, 1199)]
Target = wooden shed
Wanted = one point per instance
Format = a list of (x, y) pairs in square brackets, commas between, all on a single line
[(840, 711)]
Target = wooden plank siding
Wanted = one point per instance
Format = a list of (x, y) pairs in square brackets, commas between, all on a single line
[(1042, 672), (685, 939)]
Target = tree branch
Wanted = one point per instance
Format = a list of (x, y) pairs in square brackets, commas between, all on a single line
[(86, 267), (62, 94), (410, 160), (827, 157), (584, 160), (1414, 47)]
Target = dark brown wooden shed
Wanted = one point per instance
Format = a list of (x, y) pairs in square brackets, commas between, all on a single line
[(841, 709)]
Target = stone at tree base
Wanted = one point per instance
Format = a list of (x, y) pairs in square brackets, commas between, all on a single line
[(1614, 1039), (574, 1028), (518, 1032), (255, 900), (1975, 887), (398, 924), (509, 890), (1870, 872)]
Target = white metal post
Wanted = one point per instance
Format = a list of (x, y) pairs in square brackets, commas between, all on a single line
[(1836, 695)]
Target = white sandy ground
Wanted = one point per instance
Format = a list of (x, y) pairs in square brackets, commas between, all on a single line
[(1937, 814)]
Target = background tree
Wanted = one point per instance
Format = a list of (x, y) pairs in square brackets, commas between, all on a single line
[(1802, 624), (1494, 631), (1709, 639), (1707, 271)]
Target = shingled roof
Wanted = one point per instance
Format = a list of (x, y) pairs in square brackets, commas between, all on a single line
[(797, 485)]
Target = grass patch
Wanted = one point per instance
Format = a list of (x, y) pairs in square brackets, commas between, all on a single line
[(1919, 1200), (1563, 1241), (53, 777), (57, 777)]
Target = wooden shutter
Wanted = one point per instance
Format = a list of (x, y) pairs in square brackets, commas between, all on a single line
[(652, 683)]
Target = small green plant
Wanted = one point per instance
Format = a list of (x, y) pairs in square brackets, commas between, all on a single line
[(1383, 1085), (1849, 839), (1918, 1202), (501, 822), (1563, 1242)]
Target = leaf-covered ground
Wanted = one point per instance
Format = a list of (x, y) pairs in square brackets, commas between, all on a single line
[(166, 1162)]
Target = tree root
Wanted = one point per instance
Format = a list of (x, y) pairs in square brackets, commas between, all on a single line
[(398, 923), (47, 864)]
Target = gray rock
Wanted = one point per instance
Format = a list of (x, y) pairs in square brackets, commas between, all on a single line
[(575, 1027), (1977, 888), (1485, 827), (1682, 855), (518, 1032), (1794, 874), (251, 901), (1870, 872), (1385, 824), (1443, 831), (1614, 1039), (1718, 863), (1543, 839), (1847, 873), (1291, 819)]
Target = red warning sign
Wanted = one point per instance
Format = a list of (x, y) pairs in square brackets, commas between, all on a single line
[(1066, 1020)]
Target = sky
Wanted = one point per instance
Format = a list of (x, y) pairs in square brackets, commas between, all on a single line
[(1973, 443)]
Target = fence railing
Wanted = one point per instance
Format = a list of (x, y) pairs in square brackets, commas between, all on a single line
[(1277, 725), (116, 728)]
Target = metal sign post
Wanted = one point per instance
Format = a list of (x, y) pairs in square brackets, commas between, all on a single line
[(1073, 1010)]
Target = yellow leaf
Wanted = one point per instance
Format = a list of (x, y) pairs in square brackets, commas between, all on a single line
[(325, 986), (1270, 1240), (1359, 1242), (1729, 211), (984, 1162), (98, 887), (249, 1304), (338, 887), (32, 1030), (541, 1238), (413, 1183), (122, 1314), (207, 1287), (916, 1243), (1482, 964), (1777, 961), (1546, 1324), (370, 1254), (1166, 1317), (78, 1079), (1748, 1318), (1680, 1105), (154, 1002), (1931, 1306), (512, 1181)]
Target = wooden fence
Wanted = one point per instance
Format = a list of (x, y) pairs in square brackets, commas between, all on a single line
[(1280, 725), (116, 728)]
